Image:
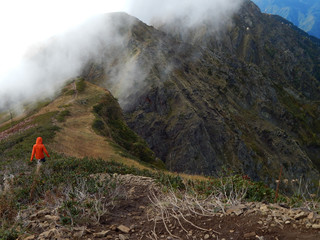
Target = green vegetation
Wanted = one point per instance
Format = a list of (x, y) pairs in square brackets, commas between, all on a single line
[(62, 115), (231, 184), (70, 92), (110, 122), (270, 50), (80, 85), (8, 234), (16, 147), (306, 124)]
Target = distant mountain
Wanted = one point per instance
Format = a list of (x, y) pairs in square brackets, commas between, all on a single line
[(305, 14)]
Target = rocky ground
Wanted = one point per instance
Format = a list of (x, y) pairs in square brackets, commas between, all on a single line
[(147, 213)]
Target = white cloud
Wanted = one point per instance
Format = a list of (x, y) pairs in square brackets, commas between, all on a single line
[(27, 26), (194, 11), (25, 23)]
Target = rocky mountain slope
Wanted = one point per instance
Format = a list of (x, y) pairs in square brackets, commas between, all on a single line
[(304, 14), (245, 98)]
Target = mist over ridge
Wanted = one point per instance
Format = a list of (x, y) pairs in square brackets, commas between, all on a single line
[(47, 65)]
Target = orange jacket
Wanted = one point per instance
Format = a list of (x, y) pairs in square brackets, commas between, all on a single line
[(38, 149)]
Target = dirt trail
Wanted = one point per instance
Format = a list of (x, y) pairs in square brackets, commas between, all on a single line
[(133, 216)]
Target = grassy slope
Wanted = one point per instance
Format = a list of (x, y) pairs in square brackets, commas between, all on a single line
[(76, 137)]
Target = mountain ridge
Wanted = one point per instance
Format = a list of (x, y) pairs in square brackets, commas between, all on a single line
[(224, 102), (304, 14)]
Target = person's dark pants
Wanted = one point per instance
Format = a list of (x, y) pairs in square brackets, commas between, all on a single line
[(41, 160)]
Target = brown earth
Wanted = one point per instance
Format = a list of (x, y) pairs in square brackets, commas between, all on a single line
[(135, 216)]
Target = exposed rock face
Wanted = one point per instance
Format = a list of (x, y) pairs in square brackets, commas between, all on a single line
[(247, 100)]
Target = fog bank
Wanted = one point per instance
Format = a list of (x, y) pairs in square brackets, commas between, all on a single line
[(47, 65)]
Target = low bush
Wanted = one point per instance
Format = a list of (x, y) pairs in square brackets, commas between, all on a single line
[(80, 85), (61, 117), (8, 234)]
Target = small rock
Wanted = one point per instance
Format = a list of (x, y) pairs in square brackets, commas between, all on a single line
[(78, 234), (238, 210), (249, 235), (300, 216), (276, 214), (40, 214), (311, 215), (206, 236), (52, 218), (44, 225), (284, 205), (49, 234), (285, 218), (264, 208), (80, 229), (275, 206), (287, 222), (101, 234), (30, 237), (316, 226), (123, 229), (232, 231), (250, 212), (113, 227), (123, 237)]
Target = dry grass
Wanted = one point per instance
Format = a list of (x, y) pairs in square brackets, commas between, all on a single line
[(76, 137), (192, 177), (183, 209)]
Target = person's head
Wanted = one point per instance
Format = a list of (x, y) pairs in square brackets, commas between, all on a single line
[(39, 140)]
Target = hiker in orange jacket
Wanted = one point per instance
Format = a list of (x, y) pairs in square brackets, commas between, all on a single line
[(38, 150)]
